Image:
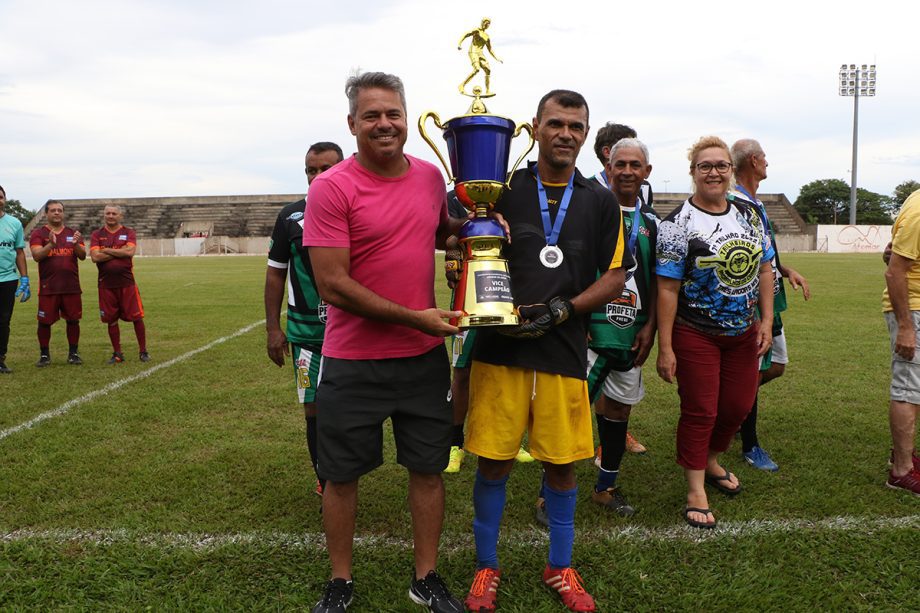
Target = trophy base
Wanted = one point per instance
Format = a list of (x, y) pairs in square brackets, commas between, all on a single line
[(482, 321), (484, 291)]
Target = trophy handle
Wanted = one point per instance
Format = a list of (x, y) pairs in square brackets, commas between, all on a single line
[(421, 128), (529, 129)]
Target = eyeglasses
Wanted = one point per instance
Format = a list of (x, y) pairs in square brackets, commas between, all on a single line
[(721, 167)]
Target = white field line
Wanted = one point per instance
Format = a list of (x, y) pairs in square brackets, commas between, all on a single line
[(453, 542), (111, 387)]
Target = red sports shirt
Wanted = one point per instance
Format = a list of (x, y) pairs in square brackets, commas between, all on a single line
[(117, 272), (58, 273)]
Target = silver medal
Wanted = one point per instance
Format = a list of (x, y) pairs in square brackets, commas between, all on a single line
[(551, 256)]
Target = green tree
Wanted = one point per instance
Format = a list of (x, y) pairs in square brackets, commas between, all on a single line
[(823, 201), (903, 190), (872, 208), (15, 208), (827, 201)]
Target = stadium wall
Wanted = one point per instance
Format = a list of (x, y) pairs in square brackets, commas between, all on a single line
[(213, 245), (787, 243), (258, 245), (852, 239)]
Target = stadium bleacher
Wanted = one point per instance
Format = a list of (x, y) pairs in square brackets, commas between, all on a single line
[(254, 215), (783, 216), (174, 217)]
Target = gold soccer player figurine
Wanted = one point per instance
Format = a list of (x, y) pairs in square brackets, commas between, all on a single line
[(479, 40)]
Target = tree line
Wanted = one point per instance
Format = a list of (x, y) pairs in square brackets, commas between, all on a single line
[(14, 207), (827, 201)]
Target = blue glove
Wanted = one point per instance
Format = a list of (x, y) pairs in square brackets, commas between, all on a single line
[(23, 291)]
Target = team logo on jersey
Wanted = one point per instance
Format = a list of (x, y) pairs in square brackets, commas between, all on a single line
[(295, 216), (322, 311), (122, 237), (69, 239), (622, 311), (736, 264)]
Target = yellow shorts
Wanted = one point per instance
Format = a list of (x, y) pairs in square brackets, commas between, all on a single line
[(504, 400)]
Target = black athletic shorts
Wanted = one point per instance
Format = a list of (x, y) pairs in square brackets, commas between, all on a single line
[(355, 397)]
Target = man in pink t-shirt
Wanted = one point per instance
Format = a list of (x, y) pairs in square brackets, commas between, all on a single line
[(372, 224)]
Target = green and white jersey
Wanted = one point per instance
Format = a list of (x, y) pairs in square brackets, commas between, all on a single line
[(306, 315), (616, 324)]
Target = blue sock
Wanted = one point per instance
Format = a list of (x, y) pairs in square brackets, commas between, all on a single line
[(606, 479), (560, 509), (488, 506)]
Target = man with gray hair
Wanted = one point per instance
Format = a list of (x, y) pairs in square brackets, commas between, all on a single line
[(622, 333), (606, 138), (372, 225), (750, 164)]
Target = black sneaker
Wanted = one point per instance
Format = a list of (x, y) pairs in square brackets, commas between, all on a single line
[(336, 597), (144, 356), (539, 513), (432, 593), (75, 359), (117, 358), (614, 500), (4, 370), (43, 360)]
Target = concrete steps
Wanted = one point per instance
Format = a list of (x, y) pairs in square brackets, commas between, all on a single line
[(254, 215), (248, 215), (780, 211)]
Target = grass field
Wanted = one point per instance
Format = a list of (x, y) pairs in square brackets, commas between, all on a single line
[(189, 488)]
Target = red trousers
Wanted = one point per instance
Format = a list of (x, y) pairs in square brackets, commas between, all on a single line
[(717, 378)]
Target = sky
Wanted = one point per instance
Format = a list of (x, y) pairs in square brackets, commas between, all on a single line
[(131, 98)]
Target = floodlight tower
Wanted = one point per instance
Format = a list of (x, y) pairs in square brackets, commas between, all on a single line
[(856, 82)]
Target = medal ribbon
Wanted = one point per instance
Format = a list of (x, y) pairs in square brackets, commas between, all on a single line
[(602, 178), (634, 231), (552, 233)]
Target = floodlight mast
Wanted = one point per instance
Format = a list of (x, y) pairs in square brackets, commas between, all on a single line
[(856, 81)]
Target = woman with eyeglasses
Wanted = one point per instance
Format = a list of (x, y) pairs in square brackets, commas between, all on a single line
[(713, 273)]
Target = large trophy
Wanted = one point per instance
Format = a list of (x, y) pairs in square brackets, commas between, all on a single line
[(479, 148)]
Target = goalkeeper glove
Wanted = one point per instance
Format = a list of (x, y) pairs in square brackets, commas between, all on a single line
[(453, 265), (539, 318), (23, 292)]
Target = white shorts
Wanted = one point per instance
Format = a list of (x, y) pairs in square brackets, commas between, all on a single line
[(780, 355), (625, 387)]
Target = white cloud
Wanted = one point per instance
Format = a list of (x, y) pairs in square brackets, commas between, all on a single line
[(137, 98)]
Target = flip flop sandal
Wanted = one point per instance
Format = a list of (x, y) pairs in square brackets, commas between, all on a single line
[(716, 482), (698, 524)]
